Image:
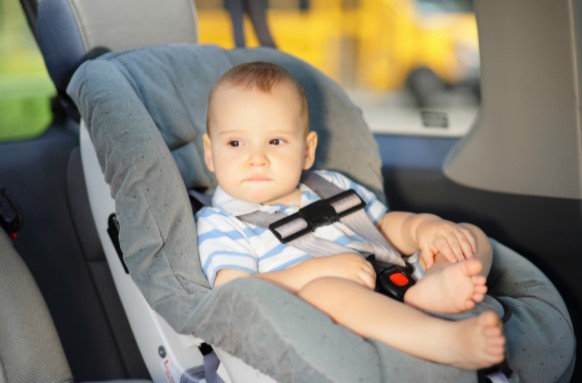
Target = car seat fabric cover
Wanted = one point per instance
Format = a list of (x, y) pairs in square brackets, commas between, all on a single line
[(137, 104), (30, 348), (69, 30)]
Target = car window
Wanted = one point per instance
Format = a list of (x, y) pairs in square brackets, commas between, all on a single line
[(25, 88), (411, 65)]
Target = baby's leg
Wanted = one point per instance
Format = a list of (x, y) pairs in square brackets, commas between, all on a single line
[(470, 344), (449, 287)]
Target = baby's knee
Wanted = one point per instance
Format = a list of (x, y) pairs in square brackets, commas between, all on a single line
[(313, 289), (321, 291)]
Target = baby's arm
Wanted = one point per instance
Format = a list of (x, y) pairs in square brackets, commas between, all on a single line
[(347, 266), (430, 234)]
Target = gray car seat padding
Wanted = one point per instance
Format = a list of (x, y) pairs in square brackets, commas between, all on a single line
[(30, 348), (137, 104), (68, 30)]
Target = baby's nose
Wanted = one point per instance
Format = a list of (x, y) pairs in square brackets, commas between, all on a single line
[(258, 158)]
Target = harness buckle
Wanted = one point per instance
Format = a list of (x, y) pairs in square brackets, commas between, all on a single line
[(9, 216), (392, 280), (319, 213)]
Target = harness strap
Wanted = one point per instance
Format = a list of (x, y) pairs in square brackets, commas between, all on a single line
[(318, 247), (358, 221), (499, 373), (199, 199), (211, 364)]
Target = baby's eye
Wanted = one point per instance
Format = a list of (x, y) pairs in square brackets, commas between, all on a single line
[(277, 141), (233, 143)]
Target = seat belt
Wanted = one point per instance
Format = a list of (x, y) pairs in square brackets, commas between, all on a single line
[(358, 221), (297, 229), (336, 204)]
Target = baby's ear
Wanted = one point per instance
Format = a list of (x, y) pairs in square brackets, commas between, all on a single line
[(310, 146), (208, 152)]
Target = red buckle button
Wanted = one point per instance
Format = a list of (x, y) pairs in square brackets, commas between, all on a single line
[(399, 279)]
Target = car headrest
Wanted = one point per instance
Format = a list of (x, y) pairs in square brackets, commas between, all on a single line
[(71, 31)]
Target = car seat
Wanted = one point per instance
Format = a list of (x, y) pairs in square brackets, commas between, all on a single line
[(137, 104), (144, 112), (30, 348)]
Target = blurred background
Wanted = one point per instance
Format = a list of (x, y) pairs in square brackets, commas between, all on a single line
[(411, 65), (25, 88)]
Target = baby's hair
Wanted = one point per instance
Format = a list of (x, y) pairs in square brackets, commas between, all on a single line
[(260, 75)]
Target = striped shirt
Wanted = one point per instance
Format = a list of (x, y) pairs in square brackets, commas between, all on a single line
[(225, 242)]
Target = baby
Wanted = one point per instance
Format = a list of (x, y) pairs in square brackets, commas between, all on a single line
[(258, 143)]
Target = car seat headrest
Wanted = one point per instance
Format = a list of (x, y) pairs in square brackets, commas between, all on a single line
[(72, 31)]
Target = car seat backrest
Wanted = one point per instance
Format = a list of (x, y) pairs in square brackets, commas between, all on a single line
[(70, 31), (30, 349), (529, 123)]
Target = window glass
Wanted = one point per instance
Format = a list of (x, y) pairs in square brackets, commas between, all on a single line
[(25, 88), (411, 65), (437, 6)]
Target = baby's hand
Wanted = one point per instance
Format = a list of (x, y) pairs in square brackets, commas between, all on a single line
[(453, 241), (348, 266)]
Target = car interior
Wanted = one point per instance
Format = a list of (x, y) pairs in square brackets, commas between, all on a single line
[(517, 174)]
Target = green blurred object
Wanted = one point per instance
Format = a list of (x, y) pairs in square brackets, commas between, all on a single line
[(23, 118), (25, 87), (24, 106)]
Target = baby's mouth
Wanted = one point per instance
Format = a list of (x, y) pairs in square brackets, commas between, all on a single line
[(257, 179)]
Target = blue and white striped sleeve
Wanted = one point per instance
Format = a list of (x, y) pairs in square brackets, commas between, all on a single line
[(374, 207), (222, 244)]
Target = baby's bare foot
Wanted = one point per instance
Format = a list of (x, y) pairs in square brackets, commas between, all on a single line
[(476, 342), (450, 289)]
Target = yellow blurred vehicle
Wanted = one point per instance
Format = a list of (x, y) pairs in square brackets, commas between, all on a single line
[(377, 44)]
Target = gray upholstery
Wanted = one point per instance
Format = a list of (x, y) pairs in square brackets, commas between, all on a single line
[(69, 30), (138, 104), (543, 112), (30, 349)]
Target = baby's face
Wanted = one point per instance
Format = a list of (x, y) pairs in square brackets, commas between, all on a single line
[(257, 144)]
